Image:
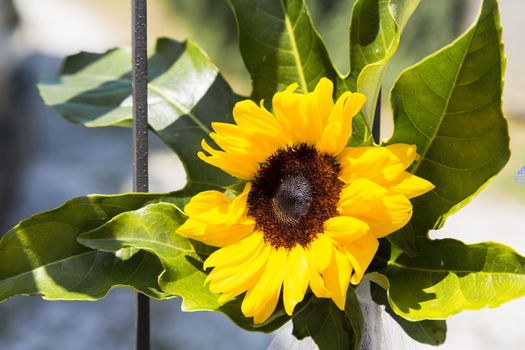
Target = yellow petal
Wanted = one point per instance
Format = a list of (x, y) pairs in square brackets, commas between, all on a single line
[(260, 127), (236, 252), (303, 116), (296, 279), (253, 119), (317, 283), (315, 108), (406, 154), (395, 214), (345, 108), (255, 152), (320, 252), (238, 165), (411, 185), (232, 281), (237, 208), (324, 91), (236, 142), (206, 201), (227, 129), (360, 197), (380, 164), (214, 207), (330, 139), (355, 102), (311, 125), (337, 278), (260, 301), (345, 229), (215, 235), (244, 145), (286, 110), (375, 163), (337, 125), (224, 273), (384, 212), (360, 253), (233, 139)]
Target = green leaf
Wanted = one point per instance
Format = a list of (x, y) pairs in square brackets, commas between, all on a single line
[(44, 257), (375, 32), (153, 229), (330, 327), (449, 105), (450, 277), (280, 46), (432, 332), (185, 94)]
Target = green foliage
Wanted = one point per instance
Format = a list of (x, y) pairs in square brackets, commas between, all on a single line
[(280, 46), (153, 229), (89, 245), (217, 37), (375, 32), (45, 258), (330, 327), (185, 94), (450, 276), (434, 26), (449, 105)]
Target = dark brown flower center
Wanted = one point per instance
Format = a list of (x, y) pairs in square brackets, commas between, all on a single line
[(293, 194)]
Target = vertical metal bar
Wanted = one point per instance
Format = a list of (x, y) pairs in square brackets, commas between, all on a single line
[(376, 127), (140, 141)]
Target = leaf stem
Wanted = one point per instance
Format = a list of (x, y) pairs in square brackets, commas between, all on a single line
[(295, 51)]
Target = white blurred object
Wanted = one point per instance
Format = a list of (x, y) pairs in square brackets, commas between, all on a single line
[(285, 340), (381, 331), (63, 27)]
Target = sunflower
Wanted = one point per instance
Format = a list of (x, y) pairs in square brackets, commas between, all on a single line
[(312, 209)]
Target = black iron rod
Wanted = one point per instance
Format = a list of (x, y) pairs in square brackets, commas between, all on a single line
[(376, 127), (140, 141)]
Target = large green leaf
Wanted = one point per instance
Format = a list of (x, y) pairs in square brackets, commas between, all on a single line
[(280, 46), (40, 255), (185, 94), (432, 332), (330, 327), (450, 276), (153, 229), (45, 258), (449, 105), (375, 32)]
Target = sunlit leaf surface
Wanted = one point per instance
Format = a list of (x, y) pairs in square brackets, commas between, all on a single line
[(450, 277), (185, 94), (449, 106)]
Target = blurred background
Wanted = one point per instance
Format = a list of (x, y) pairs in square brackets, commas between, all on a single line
[(45, 160)]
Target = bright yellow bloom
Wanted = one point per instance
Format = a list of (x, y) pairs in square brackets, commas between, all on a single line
[(312, 208)]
